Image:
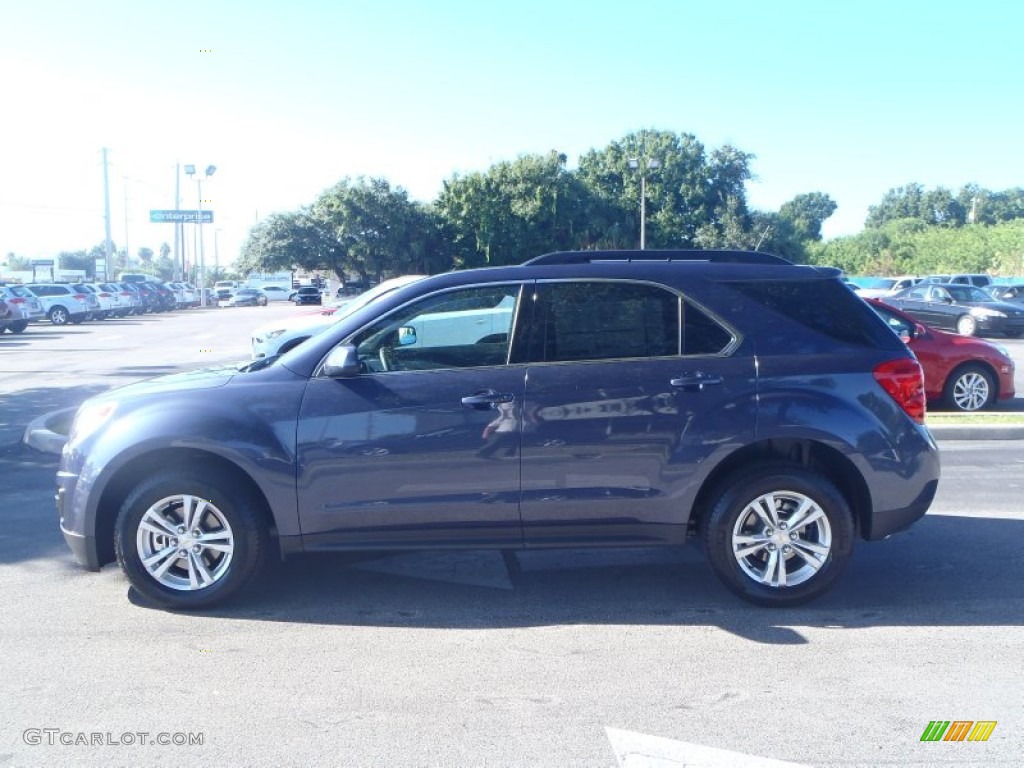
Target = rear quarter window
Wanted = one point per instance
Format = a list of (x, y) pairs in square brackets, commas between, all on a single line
[(813, 316)]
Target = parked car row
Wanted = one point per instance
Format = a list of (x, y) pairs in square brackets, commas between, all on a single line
[(882, 287), (63, 303), (233, 294), (966, 309), (960, 372), (284, 334)]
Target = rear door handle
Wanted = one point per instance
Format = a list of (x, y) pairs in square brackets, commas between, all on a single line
[(695, 382), (487, 399)]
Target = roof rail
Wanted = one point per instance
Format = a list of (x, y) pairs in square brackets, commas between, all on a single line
[(721, 257)]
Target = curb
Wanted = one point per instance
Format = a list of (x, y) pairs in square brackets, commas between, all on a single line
[(978, 431), (43, 433)]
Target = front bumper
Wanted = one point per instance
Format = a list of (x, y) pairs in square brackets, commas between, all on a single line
[(1001, 324), (82, 547)]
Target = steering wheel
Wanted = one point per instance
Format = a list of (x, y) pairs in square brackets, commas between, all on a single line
[(386, 361)]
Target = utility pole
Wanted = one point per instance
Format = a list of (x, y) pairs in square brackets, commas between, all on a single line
[(109, 246), (127, 252), (179, 256)]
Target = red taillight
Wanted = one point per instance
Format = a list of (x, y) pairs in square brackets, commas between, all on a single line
[(15, 301), (80, 296), (903, 379), (103, 295)]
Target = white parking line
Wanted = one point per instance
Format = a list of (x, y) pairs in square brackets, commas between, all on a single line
[(638, 750)]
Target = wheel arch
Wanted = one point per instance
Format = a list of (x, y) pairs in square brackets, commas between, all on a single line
[(127, 477), (800, 452)]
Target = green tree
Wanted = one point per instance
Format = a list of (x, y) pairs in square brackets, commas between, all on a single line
[(909, 246), (691, 192), (146, 256), (281, 241), (18, 263), (78, 261), (807, 212), (367, 227), (514, 211)]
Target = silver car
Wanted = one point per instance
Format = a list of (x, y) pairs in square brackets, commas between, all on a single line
[(23, 304), (108, 301), (62, 303)]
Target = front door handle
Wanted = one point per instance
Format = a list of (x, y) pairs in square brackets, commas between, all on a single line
[(487, 399), (695, 382)]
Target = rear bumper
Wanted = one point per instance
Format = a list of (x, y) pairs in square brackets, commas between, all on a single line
[(887, 522)]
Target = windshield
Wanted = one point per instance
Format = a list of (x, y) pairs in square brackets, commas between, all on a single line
[(364, 298)]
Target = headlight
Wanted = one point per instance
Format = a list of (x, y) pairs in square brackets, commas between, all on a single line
[(985, 312), (88, 419), (273, 334)]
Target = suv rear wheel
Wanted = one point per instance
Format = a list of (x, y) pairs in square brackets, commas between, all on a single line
[(187, 539), (779, 535), (58, 315)]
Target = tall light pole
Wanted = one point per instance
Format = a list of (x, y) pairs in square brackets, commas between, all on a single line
[(191, 171), (651, 164), (216, 253), (108, 244)]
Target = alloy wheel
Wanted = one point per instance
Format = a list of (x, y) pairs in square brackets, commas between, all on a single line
[(185, 542), (781, 539)]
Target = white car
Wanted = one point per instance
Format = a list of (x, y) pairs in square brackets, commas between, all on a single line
[(109, 300), (887, 286), (278, 337), (277, 293), (62, 303), (184, 296)]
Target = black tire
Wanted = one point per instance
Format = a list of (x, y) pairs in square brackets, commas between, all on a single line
[(966, 325), (970, 388), (230, 513), (58, 315), (18, 326), (809, 574)]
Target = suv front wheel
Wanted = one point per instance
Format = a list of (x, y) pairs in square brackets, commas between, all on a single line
[(779, 535), (187, 539)]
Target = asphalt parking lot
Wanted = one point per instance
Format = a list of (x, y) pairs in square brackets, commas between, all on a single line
[(573, 658)]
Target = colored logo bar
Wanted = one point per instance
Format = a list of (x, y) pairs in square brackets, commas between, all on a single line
[(958, 730)]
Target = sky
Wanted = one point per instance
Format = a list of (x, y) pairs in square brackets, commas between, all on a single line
[(850, 98)]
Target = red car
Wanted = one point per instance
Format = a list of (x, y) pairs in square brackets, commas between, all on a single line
[(962, 372)]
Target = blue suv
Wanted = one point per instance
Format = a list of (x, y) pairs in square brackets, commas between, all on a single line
[(636, 398)]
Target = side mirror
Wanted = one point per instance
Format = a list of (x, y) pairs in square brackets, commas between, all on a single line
[(920, 332), (342, 362), (406, 336)]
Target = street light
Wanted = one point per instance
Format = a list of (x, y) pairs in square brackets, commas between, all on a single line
[(635, 164), (191, 171)]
